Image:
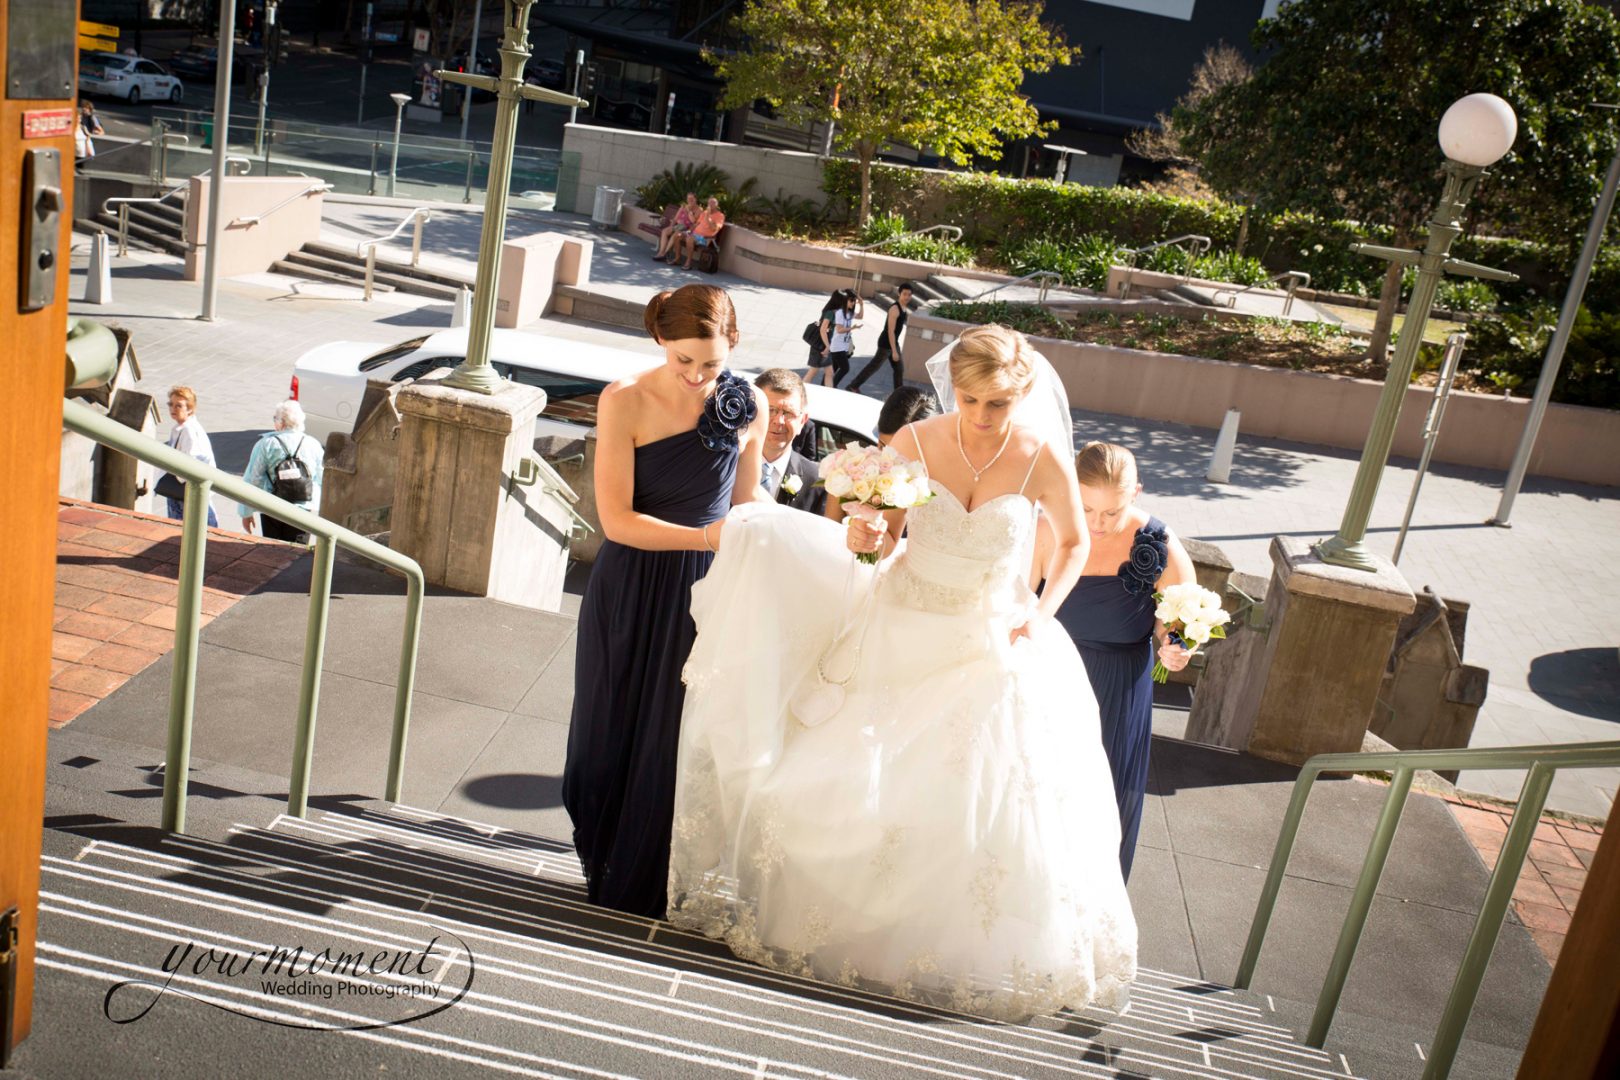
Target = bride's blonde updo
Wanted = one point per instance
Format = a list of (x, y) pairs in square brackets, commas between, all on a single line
[(993, 360)]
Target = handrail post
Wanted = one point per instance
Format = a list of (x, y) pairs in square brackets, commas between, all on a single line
[(309, 688), (1274, 877), (371, 184), (371, 267), (123, 229), (1355, 920), (183, 677), (1488, 926), (405, 685), (466, 191), (416, 237)]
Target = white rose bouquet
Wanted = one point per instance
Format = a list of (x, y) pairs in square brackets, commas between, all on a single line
[(1193, 617), (869, 479)]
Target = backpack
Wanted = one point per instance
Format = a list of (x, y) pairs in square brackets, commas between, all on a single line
[(290, 479), (812, 334)]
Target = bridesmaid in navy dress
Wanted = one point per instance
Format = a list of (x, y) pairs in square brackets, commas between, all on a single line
[(677, 445), (1109, 614)]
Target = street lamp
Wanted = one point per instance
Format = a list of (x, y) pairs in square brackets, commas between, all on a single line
[(266, 57), (400, 101), (475, 372), (1474, 134)]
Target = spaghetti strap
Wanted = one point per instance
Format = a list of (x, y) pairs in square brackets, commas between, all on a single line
[(1033, 459), (912, 427)]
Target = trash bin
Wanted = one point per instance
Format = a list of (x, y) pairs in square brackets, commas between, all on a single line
[(605, 212)]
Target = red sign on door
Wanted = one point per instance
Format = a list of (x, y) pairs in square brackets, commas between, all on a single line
[(46, 123)]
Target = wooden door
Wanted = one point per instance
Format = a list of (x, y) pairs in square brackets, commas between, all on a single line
[(37, 86)]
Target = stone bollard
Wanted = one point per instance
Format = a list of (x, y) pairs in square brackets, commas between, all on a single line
[(1220, 462), (462, 307), (466, 505), (1310, 684), (98, 280)]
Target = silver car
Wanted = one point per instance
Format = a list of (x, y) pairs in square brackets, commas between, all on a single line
[(128, 77)]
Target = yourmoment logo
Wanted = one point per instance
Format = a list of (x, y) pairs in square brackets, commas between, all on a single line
[(361, 980)]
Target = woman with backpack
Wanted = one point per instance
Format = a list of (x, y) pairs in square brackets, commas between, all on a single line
[(829, 337), (288, 464)]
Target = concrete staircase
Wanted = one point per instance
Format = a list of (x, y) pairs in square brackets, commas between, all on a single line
[(337, 263), (152, 226), (554, 986)]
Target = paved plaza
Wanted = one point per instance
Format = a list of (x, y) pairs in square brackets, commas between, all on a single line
[(1544, 620)]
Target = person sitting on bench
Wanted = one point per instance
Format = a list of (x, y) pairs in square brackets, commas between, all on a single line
[(669, 240), (710, 222)]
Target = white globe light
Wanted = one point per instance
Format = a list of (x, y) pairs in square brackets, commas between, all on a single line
[(1478, 130)]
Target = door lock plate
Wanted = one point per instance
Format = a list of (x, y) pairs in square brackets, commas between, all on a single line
[(42, 207)]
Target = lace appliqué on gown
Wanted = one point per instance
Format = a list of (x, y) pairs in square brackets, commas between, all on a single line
[(949, 836)]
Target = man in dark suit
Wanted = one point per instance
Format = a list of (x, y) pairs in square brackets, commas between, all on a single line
[(788, 475)]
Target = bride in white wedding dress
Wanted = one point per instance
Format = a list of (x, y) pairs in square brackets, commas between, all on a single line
[(948, 834)]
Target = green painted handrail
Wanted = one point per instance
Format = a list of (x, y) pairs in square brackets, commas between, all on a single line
[(201, 481), (1543, 762)]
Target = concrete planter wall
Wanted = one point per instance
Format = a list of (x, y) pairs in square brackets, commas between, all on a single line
[(628, 159), (788, 264), (1576, 442)]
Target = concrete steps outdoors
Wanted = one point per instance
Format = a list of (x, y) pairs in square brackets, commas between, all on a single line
[(418, 280), (937, 287), (553, 985), (153, 226)]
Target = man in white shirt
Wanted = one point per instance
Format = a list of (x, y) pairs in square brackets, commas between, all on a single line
[(788, 475)]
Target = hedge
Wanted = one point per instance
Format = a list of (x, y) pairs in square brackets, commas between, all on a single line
[(1004, 214)]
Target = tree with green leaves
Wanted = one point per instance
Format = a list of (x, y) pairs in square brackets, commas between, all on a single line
[(941, 75), (1341, 120)]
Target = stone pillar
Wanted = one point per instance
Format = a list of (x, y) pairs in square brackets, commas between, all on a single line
[(1312, 685), (459, 510)]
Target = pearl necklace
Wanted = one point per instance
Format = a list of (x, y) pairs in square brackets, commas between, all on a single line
[(963, 450)]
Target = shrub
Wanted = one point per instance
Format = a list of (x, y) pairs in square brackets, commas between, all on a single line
[(883, 227), (1036, 255), (1509, 350), (741, 201), (793, 212), (670, 186), (1465, 294), (1230, 266)]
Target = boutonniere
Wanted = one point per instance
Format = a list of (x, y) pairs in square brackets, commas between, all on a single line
[(791, 483)]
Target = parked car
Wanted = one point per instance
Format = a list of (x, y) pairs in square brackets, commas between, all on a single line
[(545, 72), (129, 77), (330, 380), (200, 64)]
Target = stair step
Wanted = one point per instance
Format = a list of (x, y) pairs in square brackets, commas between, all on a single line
[(138, 234), (301, 270), (1186, 294), (393, 266), (561, 984), (937, 288), (354, 271)]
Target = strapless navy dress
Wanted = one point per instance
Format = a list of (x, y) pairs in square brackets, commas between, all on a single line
[(1110, 618), (634, 635)]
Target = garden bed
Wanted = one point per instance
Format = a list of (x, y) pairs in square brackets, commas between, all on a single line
[(1298, 346)]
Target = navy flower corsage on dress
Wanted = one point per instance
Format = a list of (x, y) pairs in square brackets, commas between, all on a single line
[(1150, 553), (730, 408)]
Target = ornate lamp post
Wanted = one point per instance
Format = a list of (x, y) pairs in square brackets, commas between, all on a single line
[(475, 373), (1474, 134)]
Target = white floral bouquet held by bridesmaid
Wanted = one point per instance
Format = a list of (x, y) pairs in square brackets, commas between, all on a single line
[(867, 480), (1192, 616)]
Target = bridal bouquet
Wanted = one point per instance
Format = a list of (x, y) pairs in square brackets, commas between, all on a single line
[(869, 479), (1192, 615)]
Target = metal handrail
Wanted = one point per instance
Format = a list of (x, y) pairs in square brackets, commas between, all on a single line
[(1196, 246), (946, 232), (1542, 761), (126, 201), (420, 215), (254, 219), (1047, 278), (201, 481), (1296, 279)]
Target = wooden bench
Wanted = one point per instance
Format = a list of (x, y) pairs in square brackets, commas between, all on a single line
[(655, 229)]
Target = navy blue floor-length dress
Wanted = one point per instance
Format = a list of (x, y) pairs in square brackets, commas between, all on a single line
[(1110, 618), (635, 632)]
